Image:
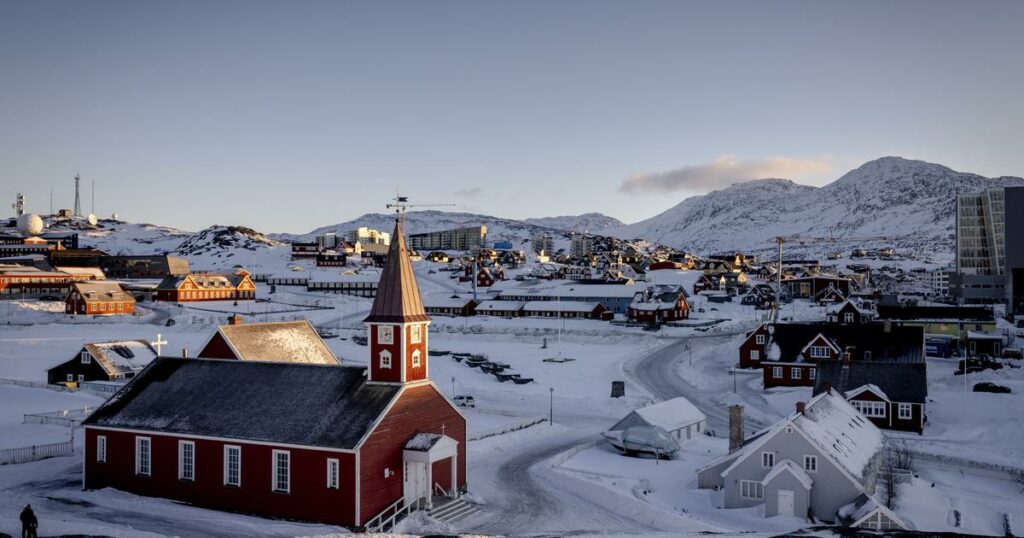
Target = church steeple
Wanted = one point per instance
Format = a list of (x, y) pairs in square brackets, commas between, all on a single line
[(397, 323)]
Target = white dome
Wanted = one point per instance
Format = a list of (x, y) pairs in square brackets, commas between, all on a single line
[(91, 219), (30, 224)]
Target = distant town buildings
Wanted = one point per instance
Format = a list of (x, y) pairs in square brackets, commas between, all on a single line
[(542, 243), (582, 245), (370, 239), (469, 238)]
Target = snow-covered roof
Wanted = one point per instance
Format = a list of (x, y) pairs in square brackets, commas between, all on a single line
[(445, 301), (499, 306), (559, 306), (102, 291), (869, 387), (422, 441), (121, 356), (841, 432), (978, 335), (671, 414), (859, 509), (94, 272), (791, 467), (284, 341)]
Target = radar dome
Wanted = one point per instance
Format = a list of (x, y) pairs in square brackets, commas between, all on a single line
[(91, 219), (30, 224)]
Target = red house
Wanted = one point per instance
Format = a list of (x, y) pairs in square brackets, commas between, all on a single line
[(343, 445), (99, 299), (658, 305), (206, 287)]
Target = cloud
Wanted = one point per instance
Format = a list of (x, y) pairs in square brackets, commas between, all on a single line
[(468, 192), (725, 171)]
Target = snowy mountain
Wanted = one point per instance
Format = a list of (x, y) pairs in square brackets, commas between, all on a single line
[(911, 203), (587, 222), (219, 238)]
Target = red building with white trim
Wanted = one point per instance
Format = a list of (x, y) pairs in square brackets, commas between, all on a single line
[(333, 444)]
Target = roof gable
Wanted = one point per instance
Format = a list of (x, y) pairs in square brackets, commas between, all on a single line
[(286, 341)]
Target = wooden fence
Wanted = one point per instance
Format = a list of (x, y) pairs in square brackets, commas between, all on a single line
[(9, 456)]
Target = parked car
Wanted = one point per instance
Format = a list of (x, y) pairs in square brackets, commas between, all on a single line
[(464, 401), (991, 387)]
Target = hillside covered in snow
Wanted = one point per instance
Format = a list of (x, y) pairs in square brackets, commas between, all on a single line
[(587, 222), (910, 203)]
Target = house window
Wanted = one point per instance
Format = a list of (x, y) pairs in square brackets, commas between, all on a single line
[(755, 355), (81, 377), (143, 456), (870, 409), (71, 377), (86, 357), (282, 471), (812, 373), (385, 334), (811, 464), (819, 352), (232, 465), (848, 317), (767, 460), (416, 335), (759, 339), (186, 460), (777, 372), (789, 430), (906, 411), (416, 359), (332, 473), (797, 373), (751, 489), (385, 359), (101, 448)]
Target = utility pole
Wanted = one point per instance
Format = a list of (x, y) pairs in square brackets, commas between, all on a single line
[(551, 409)]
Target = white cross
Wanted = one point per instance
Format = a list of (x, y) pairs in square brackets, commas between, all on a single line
[(159, 344)]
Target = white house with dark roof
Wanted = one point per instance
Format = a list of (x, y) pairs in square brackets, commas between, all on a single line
[(809, 464)]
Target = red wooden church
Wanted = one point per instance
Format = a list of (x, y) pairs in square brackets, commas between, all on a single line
[(334, 444)]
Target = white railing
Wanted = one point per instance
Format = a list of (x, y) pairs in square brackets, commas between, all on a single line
[(101, 387), (439, 491), (10, 456), (32, 384), (387, 517)]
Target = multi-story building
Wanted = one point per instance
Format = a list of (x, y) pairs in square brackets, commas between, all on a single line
[(582, 245), (468, 238), (984, 239), (940, 281), (543, 243), (368, 236)]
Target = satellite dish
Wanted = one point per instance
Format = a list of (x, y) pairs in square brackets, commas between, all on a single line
[(30, 224), (91, 219)]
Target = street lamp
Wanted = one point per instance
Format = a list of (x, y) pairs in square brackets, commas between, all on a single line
[(551, 409)]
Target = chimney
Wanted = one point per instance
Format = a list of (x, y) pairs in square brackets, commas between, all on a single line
[(735, 427), (887, 325), (846, 360), (800, 406), (826, 387), (234, 319)]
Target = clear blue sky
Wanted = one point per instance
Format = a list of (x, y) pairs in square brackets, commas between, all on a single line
[(285, 116)]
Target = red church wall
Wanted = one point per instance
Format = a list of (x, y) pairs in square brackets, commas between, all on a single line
[(418, 409), (393, 374), (415, 374), (441, 472), (309, 499), (217, 348)]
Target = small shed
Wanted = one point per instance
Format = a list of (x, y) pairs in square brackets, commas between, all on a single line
[(680, 418)]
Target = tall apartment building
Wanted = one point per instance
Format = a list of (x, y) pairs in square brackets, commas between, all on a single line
[(990, 246), (369, 236), (543, 243), (581, 245), (469, 238)]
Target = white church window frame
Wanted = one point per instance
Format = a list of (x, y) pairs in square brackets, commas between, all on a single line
[(385, 360)]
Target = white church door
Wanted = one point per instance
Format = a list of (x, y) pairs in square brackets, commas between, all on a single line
[(415, 481), (785, 502)]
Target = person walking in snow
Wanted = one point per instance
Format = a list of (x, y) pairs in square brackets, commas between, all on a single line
[(28, 522)]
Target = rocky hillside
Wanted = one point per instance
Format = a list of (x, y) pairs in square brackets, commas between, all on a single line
[(587, 222), (216, 239), (911, 203)]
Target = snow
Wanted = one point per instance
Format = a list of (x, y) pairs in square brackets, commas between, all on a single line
[(841, 432), (671, 414)]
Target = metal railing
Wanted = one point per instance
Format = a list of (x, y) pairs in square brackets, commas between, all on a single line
[(10, 456)]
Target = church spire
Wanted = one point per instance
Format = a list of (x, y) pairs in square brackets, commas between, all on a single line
[(398, 296)]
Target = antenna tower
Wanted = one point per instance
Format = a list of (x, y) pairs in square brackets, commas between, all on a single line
[(78, 200)]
